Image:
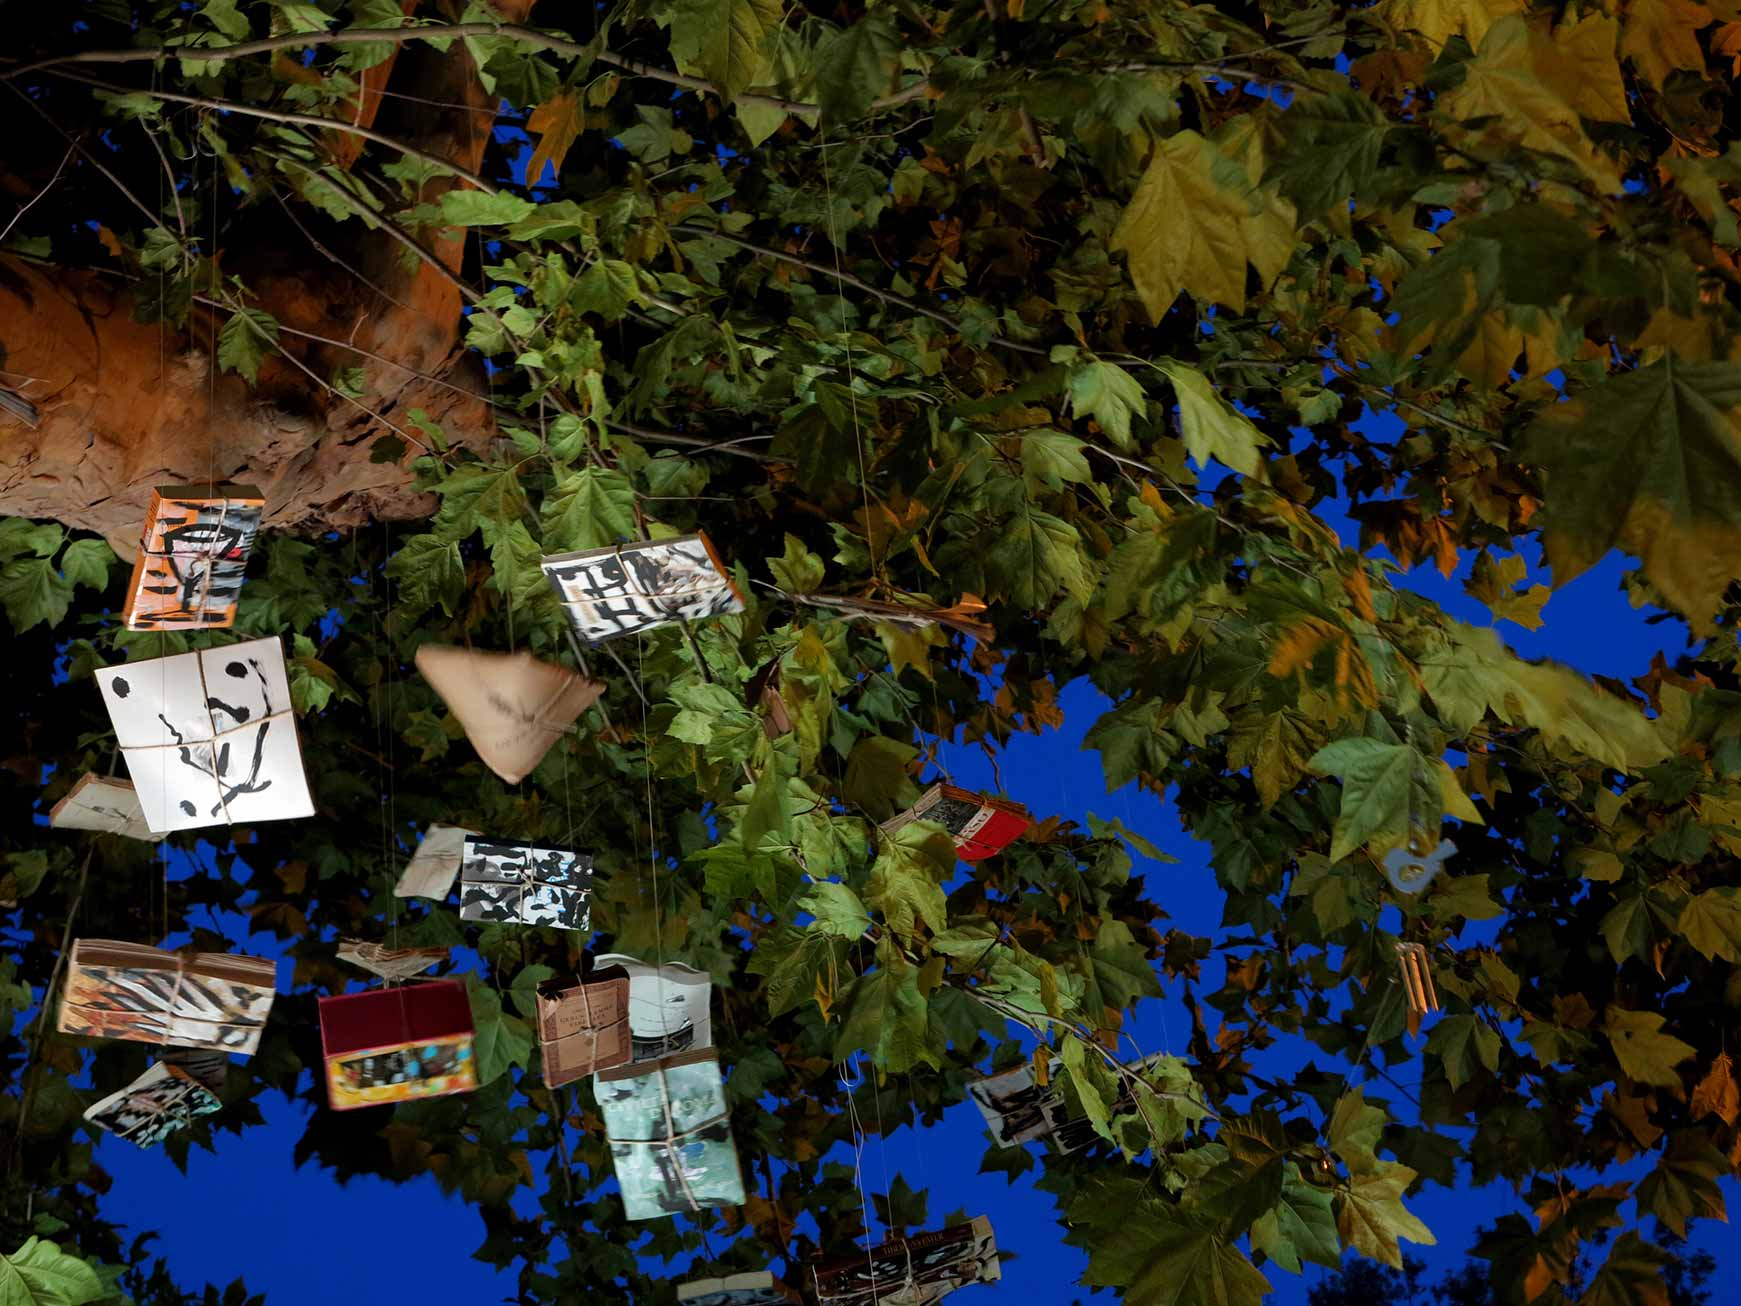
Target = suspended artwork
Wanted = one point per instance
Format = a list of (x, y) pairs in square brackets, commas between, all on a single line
[(1410, 871), (192, 557), (638, 587), (524, 884), (390, 963), (670, 1007), (981, 825), (146, 995), (750, 1288), (1016, 1108), (105, 804), (1417, 979), (435, 865), (670, 1136), (910, 1271), (162, 1100), (209, 737), (397, 1044), (584, 1028), (513, 707)]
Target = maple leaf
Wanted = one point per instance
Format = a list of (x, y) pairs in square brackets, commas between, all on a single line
[(1717, 1093), (1631, 1276), (1661, 37), (1439, 20), (1644, 1052), (1649, 461), (1371, 1216), (1194, 224), (557, 123), (1494, 583)]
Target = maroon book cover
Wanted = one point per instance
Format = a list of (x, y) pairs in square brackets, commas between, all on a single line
[(397, 1044)]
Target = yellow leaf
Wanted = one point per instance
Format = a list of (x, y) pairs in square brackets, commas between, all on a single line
[(1511, 85), (1644, 1052), (557, 123), (1451, 793), (1194, 224), (1717, 1093), (1588, 74), (1439, 20), (1659, 37)]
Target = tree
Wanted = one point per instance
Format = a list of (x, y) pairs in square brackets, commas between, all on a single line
[(1074, 311)]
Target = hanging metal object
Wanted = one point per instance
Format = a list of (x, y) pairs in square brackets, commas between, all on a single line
[(1417, 979), (1410, 870)]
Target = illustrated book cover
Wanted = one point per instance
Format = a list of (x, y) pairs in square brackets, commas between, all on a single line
[(750, 1288), (397, 1044), (913, 1271), (1015, 1107), (513, 706), (584, 1028), (611, 592), (162, 1100), (981, 825), (670, 1135), (106, 804), (670, 1006), (146, 995), (192, 557), (209, 737), (525, 884)]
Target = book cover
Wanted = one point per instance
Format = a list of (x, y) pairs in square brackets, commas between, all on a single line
[(611, 592), (525, 884), (913, 1271), (750, 1288), (513, 706), (670, 1136), (106, 804), (981, 825), (1016, 1109), (146, 995), (584, 1028), (435, 865), (209, 737), (398, 1044), (193, 557), (670, 1006), (391, 963), (162, 1100)]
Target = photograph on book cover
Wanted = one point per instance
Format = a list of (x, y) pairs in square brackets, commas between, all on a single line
[(670, 1136), (1016, 1109), (209, 737), (670, 1006), (612, 592), (193, 557)]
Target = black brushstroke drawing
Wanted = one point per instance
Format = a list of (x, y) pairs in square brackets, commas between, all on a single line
[(208, 758)]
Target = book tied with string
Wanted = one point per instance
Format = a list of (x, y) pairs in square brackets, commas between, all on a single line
[(670, 1135), (401, 1043), (980, 824), (512, 706), (913, 1271), (750, 1288), (143, 994), (629, 588), (525, 884), (169, 1096), (670, 1006), (584, 1028), (106, 804), (193, 555)]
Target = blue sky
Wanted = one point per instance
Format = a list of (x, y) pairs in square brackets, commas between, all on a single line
[(247, 1212)]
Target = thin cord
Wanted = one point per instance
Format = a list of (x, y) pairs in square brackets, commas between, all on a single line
[(870, 539)]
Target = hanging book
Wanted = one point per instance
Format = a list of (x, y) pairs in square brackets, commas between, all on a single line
[(209, 737), (1015, 1107), (982, 825), (398, 1044), (391, 963), (670, 1007), (146, 995), (103, 803), (584, 1029), (524, 884), (192, 558), (642, 586), (751, 1288), (207, 1065), (435, 865), (513, 706), (162, 1100), (913, 1271), (670, 1136)]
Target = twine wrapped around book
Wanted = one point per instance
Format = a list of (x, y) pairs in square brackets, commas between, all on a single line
[(907, 1281), (672, 1135)]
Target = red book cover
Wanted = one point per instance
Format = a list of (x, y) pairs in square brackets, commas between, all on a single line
[(397, 1044)]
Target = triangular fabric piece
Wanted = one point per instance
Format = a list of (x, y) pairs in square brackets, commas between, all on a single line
[(435, 865), (513, 706)]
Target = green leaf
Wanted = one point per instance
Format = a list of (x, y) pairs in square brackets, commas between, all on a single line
[(877, 779), (87, 562), (1375, 789), (223, 15), (476, 208), (886, 1016), (1626, 928), (1161, 1257), (1211, 428), (1649, 461), (1034, 554), (701, 705), (1645, 1053), (607, 288), (856, 65), (1112, 827), (797, 570), (1300, 1227), (724, 41), (794, 962), (591, 509), (1354, 1131), (501, 1040), (906, 882), (1454, 1038), (1332, 149), (1631, 1276), (1686, 1182), (524, 990), (426, 571), (474, 492), (32, 591), (1371, 1217), (1711, 922), (1052, 460), (837, 910), (1110, 395), (40, 1274), (243, 340)]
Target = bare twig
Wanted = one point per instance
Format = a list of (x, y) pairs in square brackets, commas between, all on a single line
[(60, 168)]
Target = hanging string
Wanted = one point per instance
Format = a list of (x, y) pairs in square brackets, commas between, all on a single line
[(850, 1081)]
